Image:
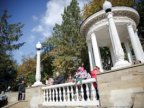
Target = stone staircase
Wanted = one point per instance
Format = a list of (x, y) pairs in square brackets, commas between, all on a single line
[(24, 104), (69, 107), (19, 104), (137, 103)]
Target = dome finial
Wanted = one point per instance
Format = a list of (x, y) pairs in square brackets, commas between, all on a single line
[(107, 6), (38, 46)]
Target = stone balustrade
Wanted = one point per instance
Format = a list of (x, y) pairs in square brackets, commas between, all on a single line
[(70, 94)]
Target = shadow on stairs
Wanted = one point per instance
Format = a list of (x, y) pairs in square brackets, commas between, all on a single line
[(19, 104)]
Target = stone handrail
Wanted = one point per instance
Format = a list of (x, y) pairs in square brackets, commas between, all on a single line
[(70, 94)]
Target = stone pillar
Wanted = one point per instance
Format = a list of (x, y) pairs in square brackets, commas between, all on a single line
[(135, 44), (129, 54), (116, 44), (38, 67), (112, 55), (111, 49), (139, 44), (91, 58), (97, 56)]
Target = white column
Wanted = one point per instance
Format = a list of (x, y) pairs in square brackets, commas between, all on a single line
[(112, 55), (138, 54), (91, 58), (139, 45), (111, 48), (116, 44), (97, 56), (129, 54), (38, 67)]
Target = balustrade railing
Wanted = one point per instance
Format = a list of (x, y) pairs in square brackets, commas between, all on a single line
[(70, 94)]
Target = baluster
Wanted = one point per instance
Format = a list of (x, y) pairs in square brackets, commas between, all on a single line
[(82, 92), (59, 89), (77, 93), (68, 94), (44, 95), (47, 95), (93, 92), (72, 94), (56, 96), (88, 92), (64, 94), (50, 95)]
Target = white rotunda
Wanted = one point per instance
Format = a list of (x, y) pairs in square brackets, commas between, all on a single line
[(111, 27)]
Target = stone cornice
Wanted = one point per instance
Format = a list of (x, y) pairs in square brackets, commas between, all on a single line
[(117, 12)]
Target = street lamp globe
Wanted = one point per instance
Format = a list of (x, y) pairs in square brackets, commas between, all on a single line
[(107, 6), (38, 46)]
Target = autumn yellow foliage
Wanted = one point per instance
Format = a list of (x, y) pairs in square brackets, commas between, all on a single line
[(96, 5)]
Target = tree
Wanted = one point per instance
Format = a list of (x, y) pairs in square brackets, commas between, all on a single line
[(27, 70), (140, 7), (47, 68), (9, 36), (96, 5), (69, 47)]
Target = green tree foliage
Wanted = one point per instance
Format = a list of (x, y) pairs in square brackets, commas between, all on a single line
[(69, 47), (9, 35), (27, 70), (96, 5), (140, 8), (106, 58), (47, 67)]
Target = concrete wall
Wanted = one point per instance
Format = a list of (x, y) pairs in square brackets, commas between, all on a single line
[(118, 87), (12, 97), (34, 96)]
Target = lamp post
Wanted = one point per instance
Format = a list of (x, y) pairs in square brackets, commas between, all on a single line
[(38, 67), (116, 44)]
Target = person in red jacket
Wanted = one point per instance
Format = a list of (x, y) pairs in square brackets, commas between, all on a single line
[(94, 73)]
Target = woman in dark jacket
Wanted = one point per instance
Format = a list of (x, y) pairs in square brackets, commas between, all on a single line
[(21, 91)]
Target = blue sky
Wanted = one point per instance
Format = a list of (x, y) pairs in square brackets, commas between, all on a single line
[(38, 16)]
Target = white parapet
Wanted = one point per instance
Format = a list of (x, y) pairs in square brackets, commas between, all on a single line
[(70, 94)]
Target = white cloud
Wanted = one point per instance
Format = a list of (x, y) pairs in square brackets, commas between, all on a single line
[(35, 18), (54, 10), (31, 39), (52, 15), (38, 28)]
